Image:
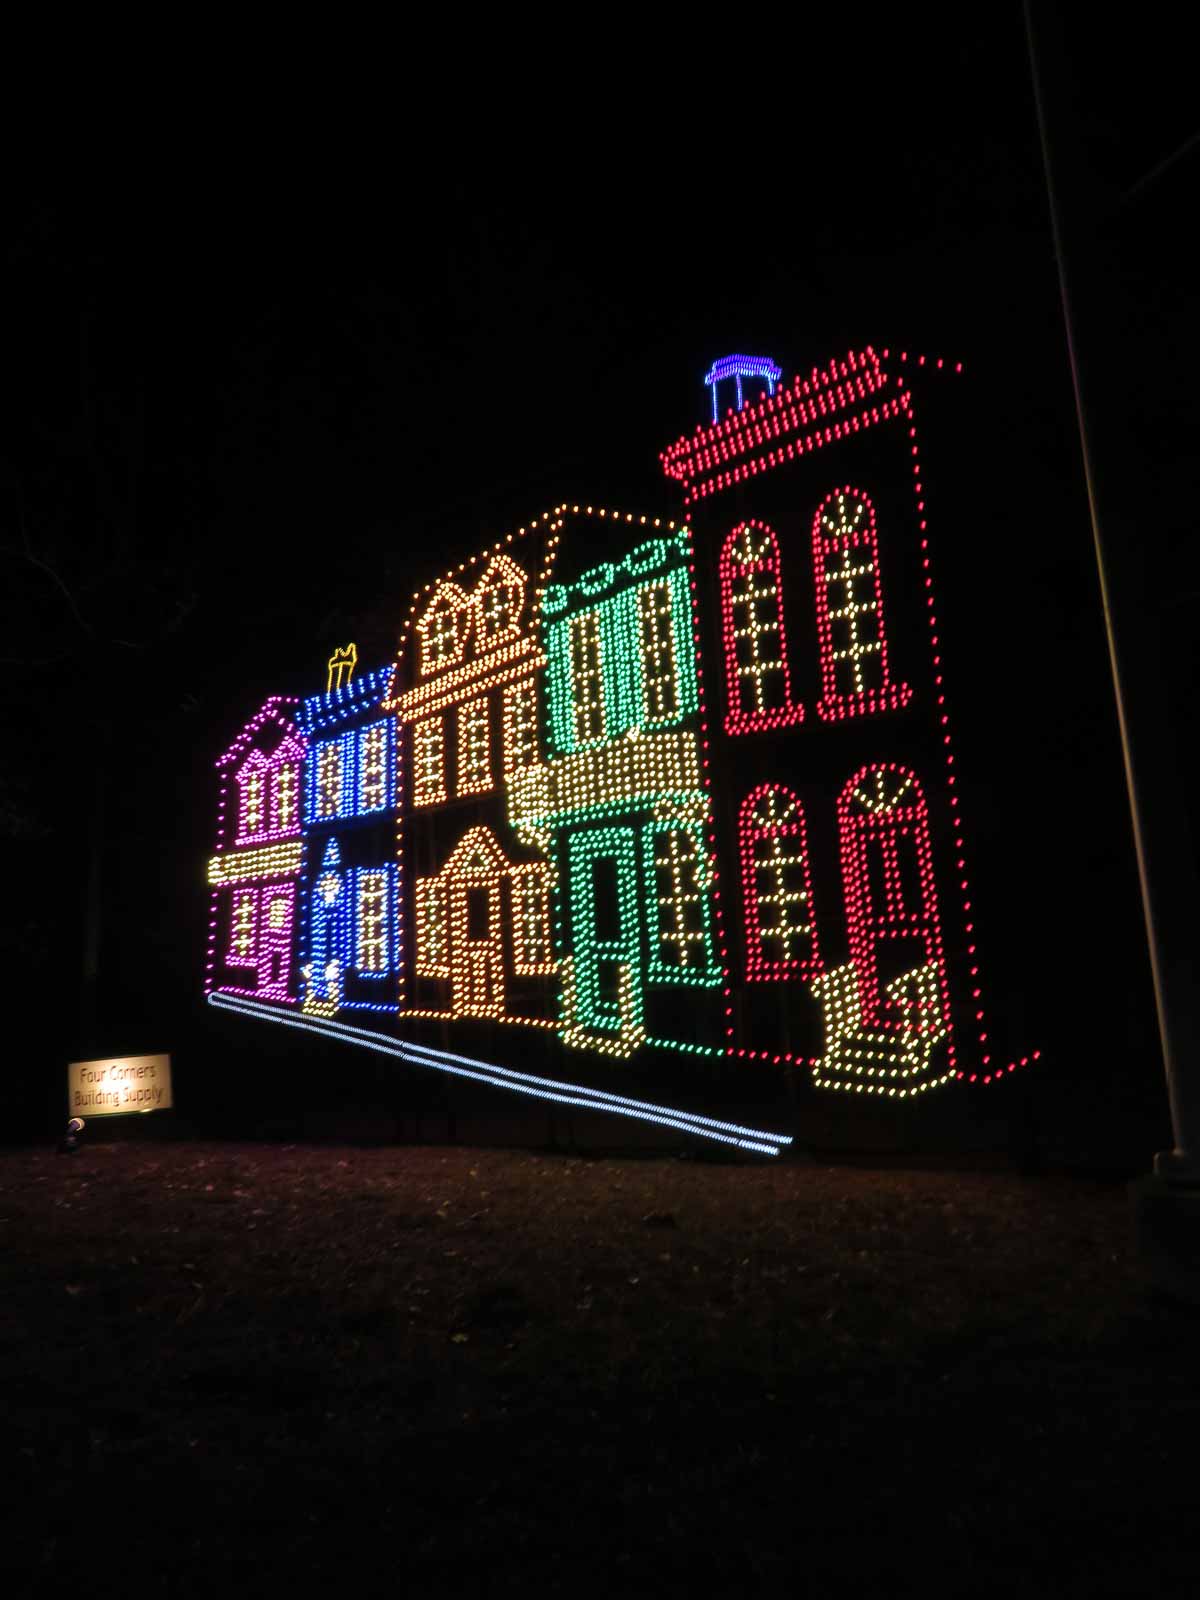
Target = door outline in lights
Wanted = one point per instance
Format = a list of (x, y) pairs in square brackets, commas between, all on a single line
[(329, 929), (891, 897), (603, 1001), (473, 875), (275, 940)]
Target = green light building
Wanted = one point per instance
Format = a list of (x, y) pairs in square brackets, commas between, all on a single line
[(621, 808)]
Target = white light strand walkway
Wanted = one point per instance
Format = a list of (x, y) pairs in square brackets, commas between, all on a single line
[(571, 1094)]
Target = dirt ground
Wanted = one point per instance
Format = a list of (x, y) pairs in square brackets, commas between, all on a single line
[(244, 1369)]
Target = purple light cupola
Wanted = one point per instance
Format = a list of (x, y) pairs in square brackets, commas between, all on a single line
[(737, 368)]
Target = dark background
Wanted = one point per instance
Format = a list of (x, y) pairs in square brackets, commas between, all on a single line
[(267, 371)]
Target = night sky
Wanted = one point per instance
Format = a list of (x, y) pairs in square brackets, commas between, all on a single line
[(262, 381)]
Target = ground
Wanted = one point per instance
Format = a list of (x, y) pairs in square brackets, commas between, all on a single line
[(241, 1369)]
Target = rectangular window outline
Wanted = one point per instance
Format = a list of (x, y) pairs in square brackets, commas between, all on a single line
[(532, 953), (254, 804), (243, 929), (429, 761), (656, 649), (373, 926), (520, 726), (329, 780), (373, 750), (585, 660), (705, 973), (475, 746), (284, 800), (431, 918)]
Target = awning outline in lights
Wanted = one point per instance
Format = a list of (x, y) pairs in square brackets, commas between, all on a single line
[(571, 1094)]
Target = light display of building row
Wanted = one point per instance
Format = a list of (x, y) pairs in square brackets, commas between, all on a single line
[(647, 787)]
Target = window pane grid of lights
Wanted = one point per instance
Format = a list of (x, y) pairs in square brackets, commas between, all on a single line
[(520, 726), (245, 918), (683, 953), (284, 799), (429, 762), (586, 678), (269, 782), (501, 599), (443, 628), (373, 896), (373, 768), (855, 671), (531, 921), (253, 811), (329, 780), (759, 690), (658, 651), (474, 747), (433, 928), (781, 937)]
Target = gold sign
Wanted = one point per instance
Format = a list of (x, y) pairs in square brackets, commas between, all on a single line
[(116, 1086)]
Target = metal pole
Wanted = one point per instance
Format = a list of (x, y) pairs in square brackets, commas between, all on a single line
[(93, 890), (1179, 1165)]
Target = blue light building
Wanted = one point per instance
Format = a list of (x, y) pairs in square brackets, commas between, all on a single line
[(348, 923)]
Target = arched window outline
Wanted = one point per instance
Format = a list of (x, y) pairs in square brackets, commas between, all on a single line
[(499, 602), (883, 805), (758, 558), (772, 812), (443, 628), (845, 534)]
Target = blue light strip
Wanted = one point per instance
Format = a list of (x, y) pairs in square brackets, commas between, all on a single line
[(360, 695), (768, 1144)]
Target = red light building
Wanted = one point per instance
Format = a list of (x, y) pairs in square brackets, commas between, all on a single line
[(842, 853)]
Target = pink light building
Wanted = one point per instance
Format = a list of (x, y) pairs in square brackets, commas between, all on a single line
[(258, 859)]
